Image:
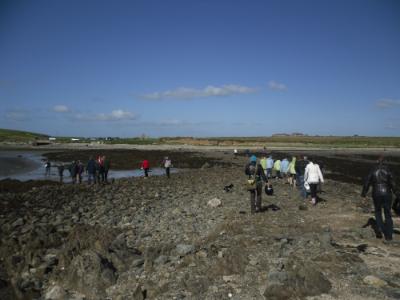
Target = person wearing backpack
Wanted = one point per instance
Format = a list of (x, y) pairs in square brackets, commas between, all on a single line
[(255, 172), (383, 185)]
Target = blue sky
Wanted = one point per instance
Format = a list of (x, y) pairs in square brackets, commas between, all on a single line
[(200, 68)]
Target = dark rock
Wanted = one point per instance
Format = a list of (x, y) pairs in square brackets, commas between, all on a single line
[(296, 279)]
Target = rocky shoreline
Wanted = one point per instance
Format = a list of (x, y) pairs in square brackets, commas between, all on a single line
[(187, 238)]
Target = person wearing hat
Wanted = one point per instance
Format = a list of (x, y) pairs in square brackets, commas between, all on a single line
[(254, 171)]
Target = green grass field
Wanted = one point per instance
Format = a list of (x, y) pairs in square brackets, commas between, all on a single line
[(8, 135)]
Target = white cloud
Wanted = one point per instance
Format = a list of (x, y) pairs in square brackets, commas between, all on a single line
[(115, 115), (276, 86), (61, 108), (387, 103), (184, 93)]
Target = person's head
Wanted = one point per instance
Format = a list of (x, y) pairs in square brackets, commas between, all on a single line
[(90, 157), (306, 158), (381, 159), (166, 158)]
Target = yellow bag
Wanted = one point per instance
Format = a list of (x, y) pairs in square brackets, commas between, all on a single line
[(251, 184)]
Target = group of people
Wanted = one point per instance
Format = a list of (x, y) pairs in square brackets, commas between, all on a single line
[(308, 176), (301, 172), (166, 164), (96, 169)]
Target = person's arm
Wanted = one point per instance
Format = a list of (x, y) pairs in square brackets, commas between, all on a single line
[(247, 170), (321, 178), (367, 183), (306, 174), (261, 173)]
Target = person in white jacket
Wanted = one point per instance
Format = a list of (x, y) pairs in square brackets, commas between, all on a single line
[(312, 177)]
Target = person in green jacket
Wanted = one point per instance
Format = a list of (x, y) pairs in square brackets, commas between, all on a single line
[(263, 163), (292, 172), (277, 168)]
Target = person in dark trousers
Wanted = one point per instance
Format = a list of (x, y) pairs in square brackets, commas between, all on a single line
[(61, 172), (100, 163), (300, 170), (72, 171), (91, 170), (255, 171), (107, 165), (167, 163), (79, 171), (47, 166), (145, 166), (382, 182)]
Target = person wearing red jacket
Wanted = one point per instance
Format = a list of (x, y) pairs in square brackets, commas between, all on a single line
[(145, 166)]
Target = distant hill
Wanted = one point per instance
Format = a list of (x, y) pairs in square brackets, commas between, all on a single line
[(8, 135)]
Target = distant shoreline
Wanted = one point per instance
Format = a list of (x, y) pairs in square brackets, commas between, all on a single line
[(188, 147)]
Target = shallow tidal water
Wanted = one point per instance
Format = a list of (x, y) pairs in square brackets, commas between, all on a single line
[(24, 166)]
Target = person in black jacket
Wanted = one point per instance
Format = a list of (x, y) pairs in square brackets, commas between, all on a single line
[(255, 171), (381, 179)]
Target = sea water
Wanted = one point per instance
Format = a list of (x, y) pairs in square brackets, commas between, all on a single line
[(24, 166)]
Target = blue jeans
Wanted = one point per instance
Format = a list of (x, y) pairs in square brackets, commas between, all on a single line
[(90, 177), (303, 191)]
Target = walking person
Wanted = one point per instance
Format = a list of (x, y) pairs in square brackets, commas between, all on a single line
[(313, 177), (277, 169), (47, 167), (284, 168), (145, 167), (60, 169), (107, 165), (383, 185), (91, 170), (292, 172), (300, 169), (79, 170), (100, 162), (72, 171), (270, 165), (167, 165), (255, 172), (263, 163)]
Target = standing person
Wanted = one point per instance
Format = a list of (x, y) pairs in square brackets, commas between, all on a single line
[(300, 169), (72, 171), (107, 165), (284, 167), (277, 168), (100, 163), (313, 177), (270, 165), (79, 171), (235, 153), (47, 167), (381, 179), (263, 163), (255, 172), (167, 165), (60, 169), (91, 170), (292, 172), (145, 167)]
